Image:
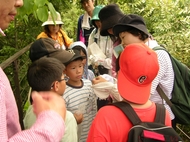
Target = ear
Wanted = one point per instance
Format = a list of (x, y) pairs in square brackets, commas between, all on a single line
[(56, 86), (140, 35), (65, 71)]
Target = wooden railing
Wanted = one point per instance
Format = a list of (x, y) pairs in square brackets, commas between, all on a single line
[(12, 67)]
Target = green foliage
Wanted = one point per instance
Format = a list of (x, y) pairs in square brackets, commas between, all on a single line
[(38, 8), (168, 21)]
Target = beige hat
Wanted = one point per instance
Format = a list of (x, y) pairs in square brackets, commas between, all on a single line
[(50, 20)]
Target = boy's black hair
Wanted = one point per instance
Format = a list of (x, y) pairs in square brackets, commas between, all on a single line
[(43, 72), (81, 1)]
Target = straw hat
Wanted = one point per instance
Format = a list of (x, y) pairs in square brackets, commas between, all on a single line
[(50, 20)]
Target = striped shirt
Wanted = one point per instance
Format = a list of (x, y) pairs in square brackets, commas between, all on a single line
[(82, 99), (9, 120), (164, 78)]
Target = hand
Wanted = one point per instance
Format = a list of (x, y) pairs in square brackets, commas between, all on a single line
[(78, 117), (43, 101), (98, 79)]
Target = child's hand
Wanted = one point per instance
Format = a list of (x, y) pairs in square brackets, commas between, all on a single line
[(78, 117)]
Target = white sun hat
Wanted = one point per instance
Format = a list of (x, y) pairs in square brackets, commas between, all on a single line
[(50, 20)]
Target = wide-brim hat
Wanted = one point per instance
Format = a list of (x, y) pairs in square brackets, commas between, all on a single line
[(109, 16), (138, 68), (49, 21), (95, 13), (128, 21), (50, 48)]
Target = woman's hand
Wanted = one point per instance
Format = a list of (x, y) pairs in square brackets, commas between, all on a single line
[(98, 79)]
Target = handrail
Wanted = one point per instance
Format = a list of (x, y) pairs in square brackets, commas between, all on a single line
[(11, 59), (17, 88)]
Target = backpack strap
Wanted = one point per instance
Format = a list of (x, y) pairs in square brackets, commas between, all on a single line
[(160, 114), (160, 48), (133, 117), (159, 89), (163, 95), (128, 111)]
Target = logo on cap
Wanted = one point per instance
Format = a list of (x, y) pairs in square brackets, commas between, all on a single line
[(142, 79), (71, 51), (57, 46)]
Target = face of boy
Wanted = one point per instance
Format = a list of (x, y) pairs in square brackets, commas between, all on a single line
[(88, 5), (59, 86), (128, 38), (75, 70), (8, 11)]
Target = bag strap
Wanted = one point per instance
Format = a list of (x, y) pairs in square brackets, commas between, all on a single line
[(128, 111), (160, 114), (133, 117), (159, 89), (163, 95)]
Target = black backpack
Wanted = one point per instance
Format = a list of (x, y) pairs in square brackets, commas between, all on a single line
[(180, 101), (155, 131)]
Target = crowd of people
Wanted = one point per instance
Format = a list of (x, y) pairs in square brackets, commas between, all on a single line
[(73, 82)]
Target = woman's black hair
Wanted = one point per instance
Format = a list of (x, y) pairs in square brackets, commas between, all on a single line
[(136, 32)]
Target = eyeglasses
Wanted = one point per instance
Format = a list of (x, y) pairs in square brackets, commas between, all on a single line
[(66, 78)]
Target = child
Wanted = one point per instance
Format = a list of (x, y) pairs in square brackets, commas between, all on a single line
[(100, 64), (55, 32), (137, 71), (46, 74), (80, 46), (79, 96)]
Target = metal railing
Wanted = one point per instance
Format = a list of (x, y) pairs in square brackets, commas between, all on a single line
[(15, 68)]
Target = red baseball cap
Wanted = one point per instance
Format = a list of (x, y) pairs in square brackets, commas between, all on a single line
[(138, 68)]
